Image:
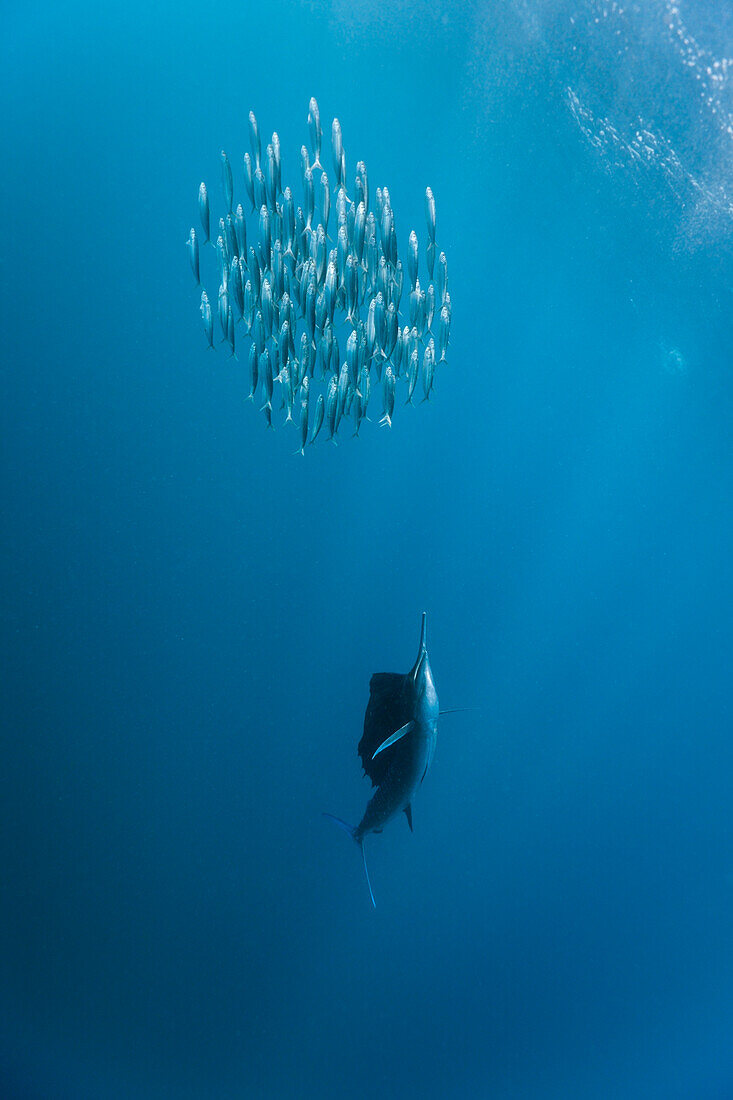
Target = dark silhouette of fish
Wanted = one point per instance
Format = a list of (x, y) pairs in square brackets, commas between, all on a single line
[(398, 744)]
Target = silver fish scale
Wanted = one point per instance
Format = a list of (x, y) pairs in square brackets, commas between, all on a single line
[(287, 285)]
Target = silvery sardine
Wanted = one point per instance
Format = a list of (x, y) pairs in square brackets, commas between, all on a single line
[(207, 318), (428, 369), (412, 372), (249, 185), (315, 131), (430, 214), (318, 418), (332, 406), (227, 180), (204, 212), (443, 333), (192, 244), (254, 139), (388, 388), (253, 372), (412, 259), (240, 228), (338, 149)]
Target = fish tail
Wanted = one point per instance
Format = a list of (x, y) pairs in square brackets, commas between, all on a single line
[(351, 830)]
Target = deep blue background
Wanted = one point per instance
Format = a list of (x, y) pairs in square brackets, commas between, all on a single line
[(191, 615)]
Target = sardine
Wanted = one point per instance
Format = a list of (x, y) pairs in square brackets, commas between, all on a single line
[(230, 235), (315, 132), (363, 185), (429, 305), (283, 343), (254, 139), (318, 418), (235, 285), (254, 272), (258, 332), (325, 200), (309, 196), (428, 369), (230, 329), (204, 212), (309, 313), (412, 373), (301, 233), (284, 378), (338, 149), (207, 318), (356, 407), (248, 312), (249, 185), (227, 180), (412, 259), (332, 406), (321, 254), (351, 356), (303, 419), (240, 228), (364, 388), (442, 287), (266, 306), (278, 163), (430, 214), (276, 267), (222, 258), (271, 177), (359, 229), (265, 368), (253, 372), (388, 388), (391, 328), (260, 189), (443, 333), (265, 241), (343, 385), (288, 212), (192, 244), (223, 310)]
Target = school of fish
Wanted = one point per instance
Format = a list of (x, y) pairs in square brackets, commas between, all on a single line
[(320, 326)]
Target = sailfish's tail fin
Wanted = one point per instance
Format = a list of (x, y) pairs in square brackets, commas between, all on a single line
[(351, 830)]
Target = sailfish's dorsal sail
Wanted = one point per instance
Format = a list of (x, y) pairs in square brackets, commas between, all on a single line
[(387, 710)]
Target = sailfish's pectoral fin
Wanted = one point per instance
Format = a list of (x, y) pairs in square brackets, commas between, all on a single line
[(395, 737), (408, 815)]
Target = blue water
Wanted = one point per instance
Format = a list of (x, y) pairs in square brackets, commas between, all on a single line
[(191, 615)]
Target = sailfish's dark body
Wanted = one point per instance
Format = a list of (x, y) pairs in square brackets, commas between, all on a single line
[(398, 743)]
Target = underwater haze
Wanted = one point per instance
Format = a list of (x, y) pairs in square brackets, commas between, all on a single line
[(191, 613)]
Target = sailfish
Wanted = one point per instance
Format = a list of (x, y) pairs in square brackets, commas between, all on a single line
[(398, 744)]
